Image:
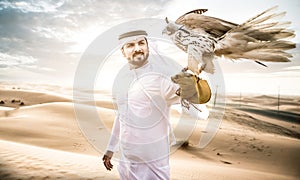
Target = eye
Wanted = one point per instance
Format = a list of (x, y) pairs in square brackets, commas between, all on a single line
[(128, 45), (142, 43), (179, 35)]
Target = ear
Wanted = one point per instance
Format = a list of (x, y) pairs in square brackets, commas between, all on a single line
[(122, 49)]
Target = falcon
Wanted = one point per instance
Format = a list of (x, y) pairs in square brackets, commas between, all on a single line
[(261, 38)]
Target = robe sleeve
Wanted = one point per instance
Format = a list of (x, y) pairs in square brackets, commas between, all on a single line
[(168, 90), (114, 138)]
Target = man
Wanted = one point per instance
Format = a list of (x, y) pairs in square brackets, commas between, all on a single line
[(141, 129)]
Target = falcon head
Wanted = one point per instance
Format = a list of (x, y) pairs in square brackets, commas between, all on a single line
[(170, 29)]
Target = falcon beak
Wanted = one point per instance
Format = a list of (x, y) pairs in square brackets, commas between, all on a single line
[(165, 31), (167, 21)]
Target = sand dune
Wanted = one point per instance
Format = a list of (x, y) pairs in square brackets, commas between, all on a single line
[(42, 140), (20, 161), (14, 98)]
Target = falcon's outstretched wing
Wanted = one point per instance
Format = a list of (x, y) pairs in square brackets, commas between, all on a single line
[(195, 21)]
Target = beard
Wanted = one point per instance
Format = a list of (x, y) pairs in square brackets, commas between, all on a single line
[(138, 59)]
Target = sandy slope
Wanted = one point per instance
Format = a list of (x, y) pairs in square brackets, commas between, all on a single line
[(259, 153), (42, 140), (44, 125), (32, 162), (15, 98)]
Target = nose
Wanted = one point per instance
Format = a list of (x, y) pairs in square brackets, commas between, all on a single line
[(137, 48)]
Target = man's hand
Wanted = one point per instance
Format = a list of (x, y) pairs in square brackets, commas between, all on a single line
[(106, 160)]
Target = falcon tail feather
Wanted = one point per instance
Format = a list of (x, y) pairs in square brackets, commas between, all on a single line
[(257, 40), (257, 16)]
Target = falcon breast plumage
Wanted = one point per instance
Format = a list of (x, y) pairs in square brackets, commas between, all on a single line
[(261, 38)]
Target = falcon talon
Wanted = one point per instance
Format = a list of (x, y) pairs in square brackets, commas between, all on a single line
[(185, 69)]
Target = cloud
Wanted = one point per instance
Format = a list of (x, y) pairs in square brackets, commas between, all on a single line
[(287, 74), (32, 6), (7, 60), (292, 68), (37, 27), (48, 37)]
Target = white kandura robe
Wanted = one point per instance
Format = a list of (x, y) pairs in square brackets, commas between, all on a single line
[(141, 128)]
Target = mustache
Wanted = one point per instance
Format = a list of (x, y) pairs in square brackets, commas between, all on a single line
[(137, 53)]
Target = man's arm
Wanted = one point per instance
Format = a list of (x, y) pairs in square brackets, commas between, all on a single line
[(112, 145), (168, 91)]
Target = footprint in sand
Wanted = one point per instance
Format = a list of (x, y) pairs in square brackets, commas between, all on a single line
[(225, 162)]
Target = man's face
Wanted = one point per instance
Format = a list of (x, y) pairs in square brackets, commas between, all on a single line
[(136, 52)]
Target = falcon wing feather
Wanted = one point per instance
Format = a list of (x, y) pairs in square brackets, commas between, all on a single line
[(196, 11), (261, 38), (195, 21)]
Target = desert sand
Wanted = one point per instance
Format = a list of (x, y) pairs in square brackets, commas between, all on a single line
[(41, 139)]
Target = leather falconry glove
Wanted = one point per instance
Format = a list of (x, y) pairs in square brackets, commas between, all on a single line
[(192, 88)]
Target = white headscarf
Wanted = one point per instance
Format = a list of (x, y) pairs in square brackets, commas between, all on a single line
[(131, 35)]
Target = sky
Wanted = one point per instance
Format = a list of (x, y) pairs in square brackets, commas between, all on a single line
[(43, 41)]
